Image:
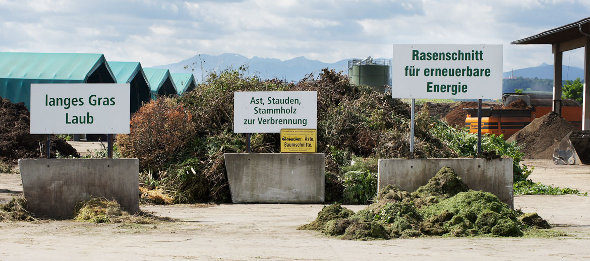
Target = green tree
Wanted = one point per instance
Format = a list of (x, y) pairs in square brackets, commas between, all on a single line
[(573, 90)]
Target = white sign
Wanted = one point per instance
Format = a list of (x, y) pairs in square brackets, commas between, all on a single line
[(447, 71), (80, 108), (269, 112)]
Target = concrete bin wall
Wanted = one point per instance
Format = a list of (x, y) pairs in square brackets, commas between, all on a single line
[(494, 176), (53, 187), (276, 178)]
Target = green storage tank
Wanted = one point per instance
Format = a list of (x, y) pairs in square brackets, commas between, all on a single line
[(373, 73)]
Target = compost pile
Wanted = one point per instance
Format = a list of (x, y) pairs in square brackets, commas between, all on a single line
[(456, 117), (15, 140), (437, 110), (443, 207), (101, 210), (15, 210), (195, 131), (518, 104), (539, 139)]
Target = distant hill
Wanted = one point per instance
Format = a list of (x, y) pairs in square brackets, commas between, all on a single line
[(291, 70), (545, 71), (539, 78)]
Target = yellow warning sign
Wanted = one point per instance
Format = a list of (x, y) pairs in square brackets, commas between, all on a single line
[(298, 140)]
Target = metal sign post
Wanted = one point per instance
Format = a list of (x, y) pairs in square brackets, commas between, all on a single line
[(248, 142), (478, 127), (48, 149), (412, 128), (110, 146)]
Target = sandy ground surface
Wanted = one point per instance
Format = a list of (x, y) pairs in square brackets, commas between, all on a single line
[(572, 176), (87, 147), (268, 232)]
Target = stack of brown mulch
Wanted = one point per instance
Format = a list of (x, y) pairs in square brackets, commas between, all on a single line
[(456, 117), (539, 139), (437, 110), (518, 104)]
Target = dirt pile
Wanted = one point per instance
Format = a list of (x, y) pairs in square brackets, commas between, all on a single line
[(437, 110), (15, 140), (518, 104), (443, 207), (534, 220), (539, 139), (456, 117)]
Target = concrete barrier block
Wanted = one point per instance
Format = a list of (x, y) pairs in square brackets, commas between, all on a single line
[(276, 178), (494, 176), (53, 187)]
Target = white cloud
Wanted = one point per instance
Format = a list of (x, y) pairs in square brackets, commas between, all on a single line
[(161, 32)]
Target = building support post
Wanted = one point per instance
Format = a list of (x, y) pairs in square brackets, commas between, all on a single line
[(557, 78), (586, 91)]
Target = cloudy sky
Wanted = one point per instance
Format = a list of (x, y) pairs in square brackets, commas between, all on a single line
[(163, 32)]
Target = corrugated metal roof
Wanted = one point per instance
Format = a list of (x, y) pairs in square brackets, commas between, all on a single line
[(156, 78), (183, 81), (125, 71), (62, 66), (18, 70), (559, 34), (132, 73)]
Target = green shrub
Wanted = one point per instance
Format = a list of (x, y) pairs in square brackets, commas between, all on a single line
[(359, 180), (528, 187), (465, 145), (359, 186), (188, 184), (334, 189), (211, 104), (574, 90)]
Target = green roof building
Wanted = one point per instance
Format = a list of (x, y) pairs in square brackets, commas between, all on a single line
[(19, 70), (184, 82), (160, 82), (132, 73)]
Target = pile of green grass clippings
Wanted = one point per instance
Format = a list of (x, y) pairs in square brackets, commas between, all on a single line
[(15, 210), (101, 210), (443, 207)]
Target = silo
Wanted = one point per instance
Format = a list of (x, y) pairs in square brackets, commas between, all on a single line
[(370, 72)]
